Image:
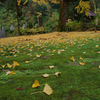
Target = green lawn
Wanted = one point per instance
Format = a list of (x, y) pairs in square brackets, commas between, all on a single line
[(76, 82)]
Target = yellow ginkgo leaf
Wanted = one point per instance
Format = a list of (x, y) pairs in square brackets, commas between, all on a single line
[(51, 67), (45, 75), (96, 46), (36, 84), (82, 63), (53, 51), (62, 50), (8, 72), (98, 51), (15, 55), (15, 64), (3, 66), (81, 58), (72, 59), (59, 52), (9, 66), (57, 73), (47, 89), (38, 55), (35, 58), (27, 61), (99, 66), (12, 72)]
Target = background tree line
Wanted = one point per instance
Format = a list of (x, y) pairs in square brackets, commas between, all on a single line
[(51, 12)]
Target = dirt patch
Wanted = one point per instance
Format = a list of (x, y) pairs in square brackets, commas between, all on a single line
[(45, 57), (73, 64)]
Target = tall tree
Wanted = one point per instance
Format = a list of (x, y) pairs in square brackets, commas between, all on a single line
[(62, 13), (13, 6)]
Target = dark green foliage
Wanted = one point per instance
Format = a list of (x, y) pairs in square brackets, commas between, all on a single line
[(52, 22), (23, 31), (29, 24)]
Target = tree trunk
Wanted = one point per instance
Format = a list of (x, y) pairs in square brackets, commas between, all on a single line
[(62, 16), (17, 17), (94, 5)]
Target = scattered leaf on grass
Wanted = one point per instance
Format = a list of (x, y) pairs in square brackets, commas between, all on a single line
[(62, 50), (57, 73), (3, 66), (35, 58), (99, 66), (36, 84), (84, 52), (96, 46), (12, 72), (82, 63), (9, 66), (98, 51), (19, 89), (51, 67), (81, 58), (47, 89), (27, 61), (59, 52), (45, 75), (38, 55), (72, 59), (53, 51), (8, 72), (15, 64)]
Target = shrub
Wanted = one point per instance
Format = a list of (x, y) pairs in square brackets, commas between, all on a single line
[(74, 26), (29, 24), (52, 22), (37, 30), (23, 31)]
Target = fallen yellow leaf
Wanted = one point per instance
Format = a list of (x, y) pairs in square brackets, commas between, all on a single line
[(8, 72), (3, 66), (47, 89), (36, 84), (72, 59), (53, 51), (45, 75), (51, 67), (38, 55), (35, 58), (62, 50), (81, 58), (12, 72), (98, 51), (15, 64), (82, 63), (96, 46), (9, 66), (99, 66), (57, 73), (59, 52), (27, 61)]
